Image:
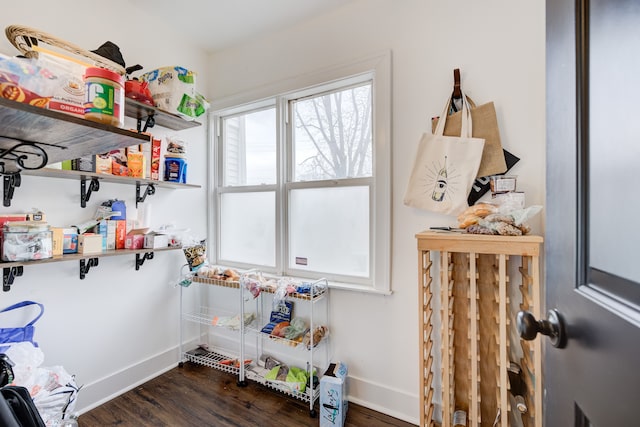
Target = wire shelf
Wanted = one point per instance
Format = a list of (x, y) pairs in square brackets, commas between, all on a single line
[(214, 359)]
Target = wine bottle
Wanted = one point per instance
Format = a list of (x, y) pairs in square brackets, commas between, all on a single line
[(460, 418), (518, 387)]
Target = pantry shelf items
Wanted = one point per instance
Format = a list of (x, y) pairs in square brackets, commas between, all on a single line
[(267, 330), (289, 355), (479, 344), (149, 116), (32, 137)]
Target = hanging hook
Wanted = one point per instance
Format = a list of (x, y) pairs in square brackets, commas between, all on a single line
[(457, 92)]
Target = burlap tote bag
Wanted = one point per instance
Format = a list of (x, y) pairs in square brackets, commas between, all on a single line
[(485, 126), (445, 167)]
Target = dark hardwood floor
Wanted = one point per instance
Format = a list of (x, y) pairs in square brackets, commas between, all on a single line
[(195, 395)]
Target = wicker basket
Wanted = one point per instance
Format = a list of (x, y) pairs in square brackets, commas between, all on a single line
[(28, 41)]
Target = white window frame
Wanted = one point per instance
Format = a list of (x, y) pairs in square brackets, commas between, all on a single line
[(376, 68)]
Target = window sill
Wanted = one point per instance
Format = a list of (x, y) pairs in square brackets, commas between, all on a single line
[(343, 286), (358, 288)]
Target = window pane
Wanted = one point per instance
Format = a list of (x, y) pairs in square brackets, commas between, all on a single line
[(329, 230), (332, 135), (250, 148), (247, 228)]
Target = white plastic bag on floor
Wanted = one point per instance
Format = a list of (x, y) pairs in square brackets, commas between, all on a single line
[(53, 389)]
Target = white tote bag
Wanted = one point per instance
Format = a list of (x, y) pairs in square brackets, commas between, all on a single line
[(445, 167)]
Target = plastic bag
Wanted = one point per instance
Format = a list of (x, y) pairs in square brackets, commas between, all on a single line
[(176, 147), (196, 254), (506, 219), (53, 389), (25, 80), (252, 282), (292, 377)]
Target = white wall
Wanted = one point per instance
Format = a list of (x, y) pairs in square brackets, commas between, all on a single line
[(118, 326), (499, 47)]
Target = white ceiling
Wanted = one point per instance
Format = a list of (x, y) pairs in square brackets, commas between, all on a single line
[(218, 24)]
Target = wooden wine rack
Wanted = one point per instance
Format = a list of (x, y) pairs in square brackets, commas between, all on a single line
[(476, 331)]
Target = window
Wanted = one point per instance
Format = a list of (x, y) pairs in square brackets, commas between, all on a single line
[(302, 181)]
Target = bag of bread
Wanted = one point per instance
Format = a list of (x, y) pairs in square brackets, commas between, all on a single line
[(473, 214)]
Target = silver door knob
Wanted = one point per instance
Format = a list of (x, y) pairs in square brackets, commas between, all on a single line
[(553, 327)]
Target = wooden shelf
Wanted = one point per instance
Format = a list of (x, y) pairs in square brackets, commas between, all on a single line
[(13, 269), (68, 174), (140, 111), (59, 135), (75, 257)]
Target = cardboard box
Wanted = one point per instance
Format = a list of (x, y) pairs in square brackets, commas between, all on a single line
[(121, 233), (137, 165), (57, 234), (36, 216), (333, 396), (134, 148), (135, 238), (111, 241), (89, 243), (103, 164), (101, 229), (11, 217), (154, 241), (69, 94), (145, 149), (69, 241), (156, 148), (111, 234), (85, 164)]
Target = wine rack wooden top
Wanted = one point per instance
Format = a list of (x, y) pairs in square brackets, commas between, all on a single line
[(528, 245)]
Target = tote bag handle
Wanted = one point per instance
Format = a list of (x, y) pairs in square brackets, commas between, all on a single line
[(466, 130), (25, 304)]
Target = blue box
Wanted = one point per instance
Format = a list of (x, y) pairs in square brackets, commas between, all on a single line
[(69, 241), (101, 229), (333, 396)]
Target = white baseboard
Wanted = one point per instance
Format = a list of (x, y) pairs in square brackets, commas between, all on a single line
[(395, 403), (101, 391)]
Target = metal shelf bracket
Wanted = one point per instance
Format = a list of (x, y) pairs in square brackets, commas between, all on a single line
[(10, 183), (141, 260), (85, 193), (85, 265), (8, 275), (150, 122), (149, 191)]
